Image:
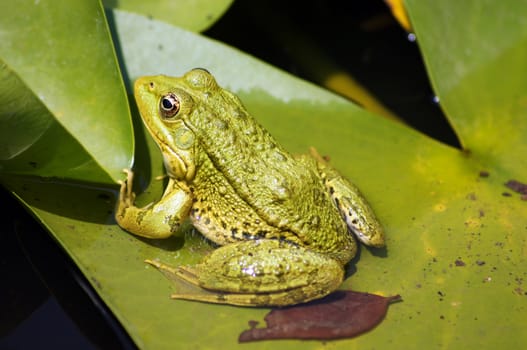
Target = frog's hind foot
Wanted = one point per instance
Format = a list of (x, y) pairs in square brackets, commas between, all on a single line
[(245, 299), (185, 273), (188, 285)]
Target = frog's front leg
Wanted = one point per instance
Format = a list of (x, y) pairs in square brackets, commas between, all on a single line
[(259, 273), (354, 208), (156, 220)]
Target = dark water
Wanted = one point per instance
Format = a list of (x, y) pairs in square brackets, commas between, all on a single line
[(360, 37), (45, 302)]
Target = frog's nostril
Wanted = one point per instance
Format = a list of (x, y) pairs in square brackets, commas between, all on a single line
[(151, 84)]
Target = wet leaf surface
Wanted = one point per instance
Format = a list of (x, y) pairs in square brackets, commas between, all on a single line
[(343, 314)]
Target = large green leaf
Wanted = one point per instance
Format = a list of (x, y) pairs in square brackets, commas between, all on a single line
[(63, 111), (457, 246), (475, 60), (195, 15)]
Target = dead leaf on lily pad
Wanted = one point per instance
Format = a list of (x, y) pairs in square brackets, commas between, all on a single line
[(343, 314)]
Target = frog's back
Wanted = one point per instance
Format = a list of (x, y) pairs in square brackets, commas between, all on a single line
[(285, 191)]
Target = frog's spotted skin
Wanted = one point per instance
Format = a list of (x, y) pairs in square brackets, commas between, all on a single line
[(283, 222)]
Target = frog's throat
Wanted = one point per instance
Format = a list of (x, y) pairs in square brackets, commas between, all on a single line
[(175, 165)]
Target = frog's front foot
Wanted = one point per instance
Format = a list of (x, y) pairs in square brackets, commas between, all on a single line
[(126, 199), (155, 220), (126, 195)]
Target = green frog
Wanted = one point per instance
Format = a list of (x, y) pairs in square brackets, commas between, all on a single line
[(284, 224)]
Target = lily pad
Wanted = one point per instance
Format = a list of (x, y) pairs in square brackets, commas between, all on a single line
[(456, 246)]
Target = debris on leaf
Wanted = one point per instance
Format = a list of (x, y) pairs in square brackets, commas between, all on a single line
[(517, 186), (459, 262), (342, 314)]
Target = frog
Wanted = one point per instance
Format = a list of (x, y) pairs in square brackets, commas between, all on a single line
[(284, 226)]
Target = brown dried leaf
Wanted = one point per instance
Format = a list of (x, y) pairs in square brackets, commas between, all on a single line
[(343, 314)]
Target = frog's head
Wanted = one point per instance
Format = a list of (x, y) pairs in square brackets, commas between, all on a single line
[(185, 113), (165, 104)]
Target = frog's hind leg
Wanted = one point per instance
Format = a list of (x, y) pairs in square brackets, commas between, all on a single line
[(354, 208), (259, 273)]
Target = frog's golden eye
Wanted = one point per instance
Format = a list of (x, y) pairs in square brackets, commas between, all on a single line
[(169, 105)]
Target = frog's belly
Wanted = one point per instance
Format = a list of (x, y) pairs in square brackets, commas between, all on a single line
[(225, 229), (222, 216)]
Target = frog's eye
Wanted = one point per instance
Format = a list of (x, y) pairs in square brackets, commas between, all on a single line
[(169, 105)]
